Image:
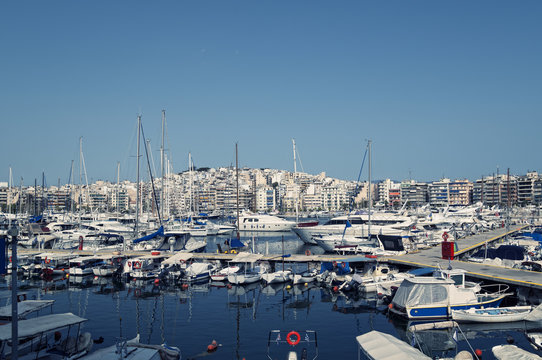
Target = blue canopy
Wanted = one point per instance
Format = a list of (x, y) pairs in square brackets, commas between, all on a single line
[(235, 243), (340, 267), (35, 219), (160, 232)]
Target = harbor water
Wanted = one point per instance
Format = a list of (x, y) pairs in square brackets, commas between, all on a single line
[(240, 318)]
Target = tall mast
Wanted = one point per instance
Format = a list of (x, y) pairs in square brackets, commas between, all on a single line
[(118, 187), (137, 176), (190, 183), (295, 186), (370, 202), (10, 180), (237, 186), (162, 161)]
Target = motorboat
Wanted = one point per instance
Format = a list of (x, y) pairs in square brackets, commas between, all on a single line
[(356, 225), (499, 314), (222, 274), (435, 297), (377, 345), (264, 223), (198, 271), (277, 276), (504, 352), (134, 350), (54, 336), (249, 273), (305, 277), (83, 265)]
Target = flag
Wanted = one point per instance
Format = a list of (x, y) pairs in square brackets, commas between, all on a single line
[(454, 336)]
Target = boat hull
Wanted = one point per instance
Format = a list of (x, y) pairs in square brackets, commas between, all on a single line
[(441, 312)]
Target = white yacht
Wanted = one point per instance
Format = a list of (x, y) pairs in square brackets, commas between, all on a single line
[(358, 226), (264, 223)]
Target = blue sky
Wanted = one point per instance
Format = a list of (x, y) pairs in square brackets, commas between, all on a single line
[(443, 88)]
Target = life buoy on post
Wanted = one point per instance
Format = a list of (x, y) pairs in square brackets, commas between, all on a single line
[(445, 236), (137, 264), (290, 340)]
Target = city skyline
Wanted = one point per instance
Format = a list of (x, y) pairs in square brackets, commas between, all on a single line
[(442, 89)]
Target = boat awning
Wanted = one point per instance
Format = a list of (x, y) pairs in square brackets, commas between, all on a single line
[(24, 308), (177, 258), (41, 324), (247, 257), (381, 346), (82, 259)]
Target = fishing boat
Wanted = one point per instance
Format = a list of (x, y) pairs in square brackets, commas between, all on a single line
[(435, 297), (134, 350), (500, 314)]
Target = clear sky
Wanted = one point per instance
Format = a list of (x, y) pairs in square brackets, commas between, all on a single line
[(443, 88)]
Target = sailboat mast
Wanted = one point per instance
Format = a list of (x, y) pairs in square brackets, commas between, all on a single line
[(162, 161), (10, 180), (237, 186), (118, 187), (190, 178), (370, 202), (136, 229), (295, 185)]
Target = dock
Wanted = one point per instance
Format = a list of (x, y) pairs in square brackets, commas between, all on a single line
[(432, 257)]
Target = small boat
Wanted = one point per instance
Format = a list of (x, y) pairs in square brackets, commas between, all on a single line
[(499, 314), (198, 271), (25, 308), (134, 350), (222, 274), (504, 352), (277, 276), (305, 277), (377, 345), (249, 274)]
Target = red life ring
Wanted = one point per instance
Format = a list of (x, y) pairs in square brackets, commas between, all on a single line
[(308, 252), (182, 261), (47, 261), (137, 292), (137, 264), (445, 236), (343, 265), (334, 264), (129, 264), (289, 338)]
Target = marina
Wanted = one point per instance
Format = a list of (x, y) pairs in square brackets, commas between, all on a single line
[(141, 304)]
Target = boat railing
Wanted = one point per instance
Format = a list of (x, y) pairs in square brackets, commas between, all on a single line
[(494, 289)]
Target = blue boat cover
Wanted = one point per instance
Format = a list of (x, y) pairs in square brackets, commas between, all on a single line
[(160, 232), (235, 243), (35, 219), (340, 267)]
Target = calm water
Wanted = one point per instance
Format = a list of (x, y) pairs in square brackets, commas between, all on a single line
[(240, 318)]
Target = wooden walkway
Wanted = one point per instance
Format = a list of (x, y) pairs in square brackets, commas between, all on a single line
[(433, 258)]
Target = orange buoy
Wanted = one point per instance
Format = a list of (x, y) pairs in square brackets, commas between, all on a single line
[(212, 346)]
